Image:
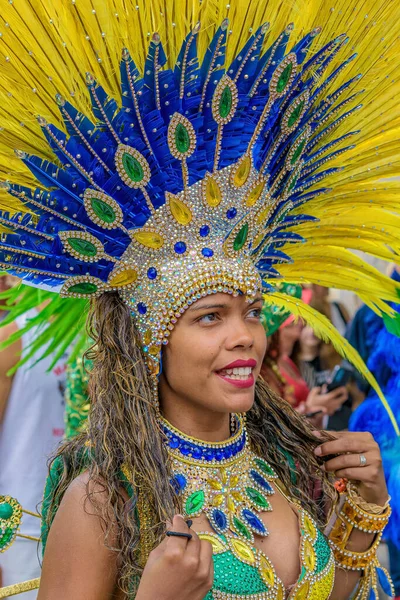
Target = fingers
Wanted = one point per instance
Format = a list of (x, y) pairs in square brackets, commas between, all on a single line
[(348, 461), (356, 443), (179, 525)]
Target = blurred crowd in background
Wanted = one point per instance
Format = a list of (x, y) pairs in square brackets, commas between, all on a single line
[(35, 412)]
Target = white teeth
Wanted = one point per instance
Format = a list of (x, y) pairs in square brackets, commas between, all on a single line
[(238, 373)]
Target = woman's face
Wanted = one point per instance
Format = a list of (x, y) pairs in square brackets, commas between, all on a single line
[(308, 338), (214, 355)]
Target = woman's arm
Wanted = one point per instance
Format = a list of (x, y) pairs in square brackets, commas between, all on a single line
[(356, 457), (77, 565)]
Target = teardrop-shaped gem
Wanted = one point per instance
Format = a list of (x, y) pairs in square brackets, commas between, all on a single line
[(241, 528), (254, 522), (296, 114), (148, 337), (194, 502), (309, 527), (234, 480), (230, 504), (302, 592), (102, 209), (181, 213), (150, 239), (219, 520), (259, 480), (214, 484), (132, 166), (242, 551), (218, 500), (284, 78), (123, 278), (216, 543), (254, 194), (82, 247), (258, 499), (298, 151), (224, 101), (237, 496), (267, 571), (265, 468), (309, 559), (223, 475), (181, 137), (213, 194), (241, 171), (84, 288), (241, 238)]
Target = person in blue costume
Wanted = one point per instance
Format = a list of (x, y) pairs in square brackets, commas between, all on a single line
[(381, 351)]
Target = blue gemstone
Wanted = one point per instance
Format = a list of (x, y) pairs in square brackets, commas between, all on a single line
[(185, 449), (180, 247), (142, 308), (209, 454), (152, 273), (219, 455), (204, 231), (262, 482), (219, 519), (207, 252), (231, 213), (228, 451), (179, 482), (255, 523), (173, 443), (196, 452)]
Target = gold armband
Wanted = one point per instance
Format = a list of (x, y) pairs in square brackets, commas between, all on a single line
[(355, 513)]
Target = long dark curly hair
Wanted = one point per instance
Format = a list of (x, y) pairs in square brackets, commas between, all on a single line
[(123, 430)]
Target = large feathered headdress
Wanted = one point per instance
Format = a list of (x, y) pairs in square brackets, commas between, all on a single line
[(219, 169)]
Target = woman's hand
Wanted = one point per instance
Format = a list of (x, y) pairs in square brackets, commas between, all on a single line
[(178, 567), (350, 448), (326, 402)]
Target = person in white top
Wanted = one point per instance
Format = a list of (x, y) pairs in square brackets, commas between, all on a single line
[(31, 426)]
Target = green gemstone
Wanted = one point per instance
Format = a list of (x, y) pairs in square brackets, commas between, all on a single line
[(284, 78), (257, 498), (294, 181), (241, 238), (6, 537), (182, 139), (241, 528), (6, 510), (132, 167), (297, 152), (225, 103), (102, 210), (264, 467), (296, 114), (195, 502), (83, 288), (82, 246)]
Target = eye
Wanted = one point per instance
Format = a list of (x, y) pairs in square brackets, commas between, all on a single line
[(209, 318), (254, 313)]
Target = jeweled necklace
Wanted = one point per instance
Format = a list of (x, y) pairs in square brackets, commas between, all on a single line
[(224, 480)]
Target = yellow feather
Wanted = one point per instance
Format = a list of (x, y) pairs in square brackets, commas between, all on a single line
[(324, 329)]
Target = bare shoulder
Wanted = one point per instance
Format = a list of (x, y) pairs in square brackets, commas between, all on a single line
[(10, 355), (78, 563)]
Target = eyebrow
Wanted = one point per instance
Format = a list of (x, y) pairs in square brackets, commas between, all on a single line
[(195, 308)]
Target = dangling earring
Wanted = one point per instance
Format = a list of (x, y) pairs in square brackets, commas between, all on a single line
[(233, 423), (156, 400)]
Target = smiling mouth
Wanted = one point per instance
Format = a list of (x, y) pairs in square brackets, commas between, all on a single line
[(237, 373)]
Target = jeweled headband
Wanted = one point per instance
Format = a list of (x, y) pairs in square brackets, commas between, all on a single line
[(191, 187)]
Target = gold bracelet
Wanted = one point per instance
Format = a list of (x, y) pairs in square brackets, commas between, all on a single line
[(355, 561)]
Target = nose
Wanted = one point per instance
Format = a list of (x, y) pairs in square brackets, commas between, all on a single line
[(240, 335)]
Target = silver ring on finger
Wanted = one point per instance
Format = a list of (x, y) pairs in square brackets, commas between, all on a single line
[(363, 460)]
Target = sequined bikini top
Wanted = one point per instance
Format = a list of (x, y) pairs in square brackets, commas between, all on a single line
[(231, 486)]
